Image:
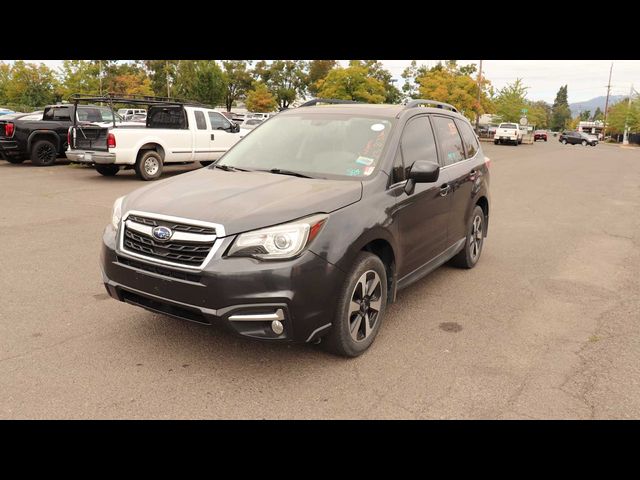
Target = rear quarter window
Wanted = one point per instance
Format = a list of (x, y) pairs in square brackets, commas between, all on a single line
[(167, 117)]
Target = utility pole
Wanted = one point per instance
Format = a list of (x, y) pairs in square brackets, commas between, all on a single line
[(479, 90), (606, 105)]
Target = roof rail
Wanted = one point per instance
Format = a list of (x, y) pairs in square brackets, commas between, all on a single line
[(133, 99), (316, 101), (417, 103)]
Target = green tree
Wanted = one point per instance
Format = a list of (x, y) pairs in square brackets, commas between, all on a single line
[(621, 114), (585, 116), (31, 85), (285, 79), (260, 99), (377, 71), (79, 76), (598, 115), (411, 74), (447, 83), (561, 114), (237, 78), (352, 83), (511, 100), (5, 78), (200, 80), (318, 70), (162, 74)]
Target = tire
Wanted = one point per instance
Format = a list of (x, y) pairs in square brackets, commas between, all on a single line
[(516, 143), (470, 254), (107, 170), (148, 167), (584, 143), (340, 340), (14, 160), (43, 153), (206, 163), (495, 142), (563, 141)]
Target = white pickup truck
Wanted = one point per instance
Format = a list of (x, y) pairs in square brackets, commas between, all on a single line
[(174, 133), (508, 132)]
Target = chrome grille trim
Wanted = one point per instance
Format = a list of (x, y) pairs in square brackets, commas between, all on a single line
[(178, 236)]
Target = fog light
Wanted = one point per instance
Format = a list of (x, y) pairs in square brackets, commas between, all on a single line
[(277, 327)]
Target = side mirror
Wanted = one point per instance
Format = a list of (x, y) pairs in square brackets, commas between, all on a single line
[(423, 171)]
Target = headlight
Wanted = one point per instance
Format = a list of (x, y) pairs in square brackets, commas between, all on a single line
[(116, 213), (279, 242)]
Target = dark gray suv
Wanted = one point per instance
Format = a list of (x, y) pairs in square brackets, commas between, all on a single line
[(306, 229)]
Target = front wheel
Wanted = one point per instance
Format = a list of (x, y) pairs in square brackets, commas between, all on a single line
[(149, 165), (495, 142), (470, 254), (107, 170), (584, 143), (360, 308), (563, 141)]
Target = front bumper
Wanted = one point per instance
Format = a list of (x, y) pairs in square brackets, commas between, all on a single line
[(9, 149), (243, 294), (91, 157)]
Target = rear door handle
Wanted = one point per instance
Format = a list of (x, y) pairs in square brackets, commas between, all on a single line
[(213, 137), (444, 189)]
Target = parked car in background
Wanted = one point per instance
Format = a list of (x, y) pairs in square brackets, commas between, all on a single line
[(540, 135), (175, 132), (127, 113), (508, 133), (43, 137), (306, 229), (5, 111), (577, 138), (139, 118), (251, 123)]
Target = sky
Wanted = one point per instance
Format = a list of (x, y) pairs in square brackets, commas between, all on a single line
[(586, 78)]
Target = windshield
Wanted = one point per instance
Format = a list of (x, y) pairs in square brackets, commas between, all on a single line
[(508, 125), (318, 144)]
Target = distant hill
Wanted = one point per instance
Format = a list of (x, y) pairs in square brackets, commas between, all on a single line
[(593, 104)]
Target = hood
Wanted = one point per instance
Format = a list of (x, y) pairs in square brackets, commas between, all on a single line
[(242, 201)]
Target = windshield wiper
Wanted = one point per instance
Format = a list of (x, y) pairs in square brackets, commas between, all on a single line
[(280, 171), (229, 168)]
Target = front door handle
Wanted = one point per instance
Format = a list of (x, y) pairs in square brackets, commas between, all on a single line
[(213, 137), (444, 189)]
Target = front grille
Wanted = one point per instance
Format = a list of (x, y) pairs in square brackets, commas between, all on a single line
[(176, 227), (191, 253)]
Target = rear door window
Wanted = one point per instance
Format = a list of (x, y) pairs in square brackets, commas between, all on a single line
[(201, 123), (469, 139), (451, 148)]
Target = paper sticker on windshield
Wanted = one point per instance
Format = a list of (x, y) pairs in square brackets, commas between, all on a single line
[(368, 170), (377, 127), (364, 161), (354, 172)]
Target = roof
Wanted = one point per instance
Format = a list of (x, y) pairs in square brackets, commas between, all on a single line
[(383, 110)]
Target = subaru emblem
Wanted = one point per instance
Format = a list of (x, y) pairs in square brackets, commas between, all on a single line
[(162, 233)]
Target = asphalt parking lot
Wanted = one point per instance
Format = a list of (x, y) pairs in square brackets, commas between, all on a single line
[(546, 326)]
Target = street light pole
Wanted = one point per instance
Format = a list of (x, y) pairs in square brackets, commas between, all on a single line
[(479, 90)]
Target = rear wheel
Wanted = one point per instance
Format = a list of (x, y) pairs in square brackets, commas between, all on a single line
[(495, 142), (107, 170), (44, 153), (360, 308), (584, 143), (470, 254), (149, 165)]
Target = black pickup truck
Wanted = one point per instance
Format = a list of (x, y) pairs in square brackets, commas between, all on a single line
[(45, 139)]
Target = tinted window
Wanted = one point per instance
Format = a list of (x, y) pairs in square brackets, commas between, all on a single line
[(399, 173), (508, 125), (201, 123), (418, 142), (218, 121), (468, 138), (166, 117), (449, 139)]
